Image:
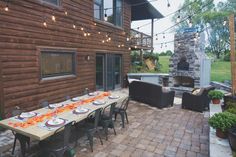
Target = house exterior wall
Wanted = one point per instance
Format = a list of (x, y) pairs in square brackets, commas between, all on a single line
[(22, 35)]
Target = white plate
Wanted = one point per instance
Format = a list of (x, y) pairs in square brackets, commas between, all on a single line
[(55, 122), (75, 99), (114, 96), (27, 114), (93, 94), (99, 102), (55, 105), (81, 110)]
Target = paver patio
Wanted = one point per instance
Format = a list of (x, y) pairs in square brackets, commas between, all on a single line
[(152, 132)]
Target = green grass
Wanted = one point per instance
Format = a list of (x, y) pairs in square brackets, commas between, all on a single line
[(220, 70), (164, 61)]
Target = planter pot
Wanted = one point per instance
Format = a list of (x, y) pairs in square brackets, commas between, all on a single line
[(221, 134), (215, 101), (232, 138)]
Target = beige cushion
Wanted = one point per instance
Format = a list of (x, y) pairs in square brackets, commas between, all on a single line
[(197, 91), (165, 89)]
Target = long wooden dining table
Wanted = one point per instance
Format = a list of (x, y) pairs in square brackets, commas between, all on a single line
[(37, 132)]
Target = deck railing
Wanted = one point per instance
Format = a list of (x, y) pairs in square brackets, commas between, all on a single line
[(140, 40)]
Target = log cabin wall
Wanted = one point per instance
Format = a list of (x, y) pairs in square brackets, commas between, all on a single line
[(22, 34)]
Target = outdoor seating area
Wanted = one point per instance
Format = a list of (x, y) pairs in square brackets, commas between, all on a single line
[(150, 132)]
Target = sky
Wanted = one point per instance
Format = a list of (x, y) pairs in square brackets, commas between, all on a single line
[(162, 24)]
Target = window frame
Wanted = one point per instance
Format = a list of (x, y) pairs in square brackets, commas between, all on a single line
[(52, 4), (58, 51), (114, 22)]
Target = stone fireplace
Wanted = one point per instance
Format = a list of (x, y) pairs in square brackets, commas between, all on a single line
[(189, 65)]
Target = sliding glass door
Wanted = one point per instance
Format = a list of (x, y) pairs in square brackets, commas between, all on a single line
[(108, 71)]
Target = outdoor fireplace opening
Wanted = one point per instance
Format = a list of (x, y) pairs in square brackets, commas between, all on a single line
[(183, 81), (183, 64)]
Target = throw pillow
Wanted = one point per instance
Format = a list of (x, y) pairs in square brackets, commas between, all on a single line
[(196, 91)]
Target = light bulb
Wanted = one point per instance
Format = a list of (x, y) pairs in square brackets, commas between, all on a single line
[(66, 13), (95, 24), (178, 19), (6, 8), (53, 18), (81, 28), (127, 39), (74, 26), (225, 22), (99, 32), (129, 48), (85, 34), (109, 38), (118, 45), (122, 45), (103, 41), (45, 24), (105, 17), (88, 34)]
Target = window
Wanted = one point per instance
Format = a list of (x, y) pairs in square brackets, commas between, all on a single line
[(54, 2), (55, 63), (98, 9), (109, 10)]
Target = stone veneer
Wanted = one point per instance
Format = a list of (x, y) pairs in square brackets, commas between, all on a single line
[(186, 45)]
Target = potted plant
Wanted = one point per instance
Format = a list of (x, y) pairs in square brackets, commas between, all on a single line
[(222, 122), (215, 96), (232, 137)]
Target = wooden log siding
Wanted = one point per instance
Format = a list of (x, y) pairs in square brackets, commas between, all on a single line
[(22, 32)]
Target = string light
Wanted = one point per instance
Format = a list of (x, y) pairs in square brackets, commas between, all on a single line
[(99, 32), (127, 38), (225, 22), (85, 34), (103, 41), (168, 3), (190, 21), (74, 26), (105, 15), (66, 13), (81, 28), (129, 48), (6, 8), (118, 45), (53, 18), (122, 45), (178, 18), (44, 22)]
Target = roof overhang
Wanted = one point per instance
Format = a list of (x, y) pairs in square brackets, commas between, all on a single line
[(143, 10)]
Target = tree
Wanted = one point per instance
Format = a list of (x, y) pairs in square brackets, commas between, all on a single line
[(207, 17)]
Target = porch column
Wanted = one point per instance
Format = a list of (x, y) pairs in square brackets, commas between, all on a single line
[(152, 33)]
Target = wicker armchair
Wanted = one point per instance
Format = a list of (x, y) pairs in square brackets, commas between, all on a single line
[(199, 102)]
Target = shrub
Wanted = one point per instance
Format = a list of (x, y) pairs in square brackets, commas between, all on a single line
[(223, 121), (214, 94), (231, 110)]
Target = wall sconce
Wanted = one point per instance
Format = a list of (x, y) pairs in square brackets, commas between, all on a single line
[(87, 57)]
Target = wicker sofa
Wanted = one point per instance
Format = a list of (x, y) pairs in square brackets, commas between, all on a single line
[(151, 94)]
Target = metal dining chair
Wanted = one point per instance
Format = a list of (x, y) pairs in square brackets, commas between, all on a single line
[(67, 97), (106, 120), (58, 144), (91, 126), (21, 138), (44, 104), (122, 111)]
